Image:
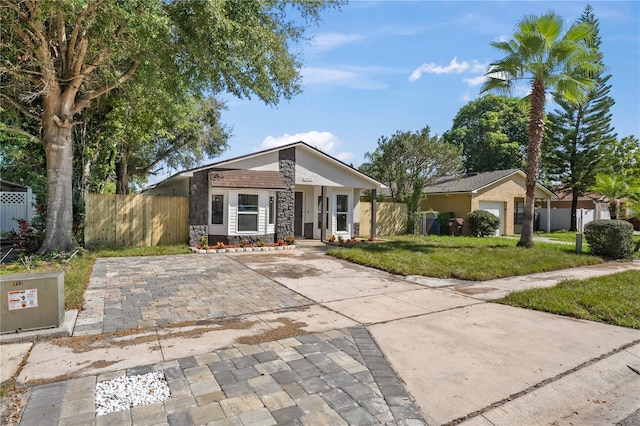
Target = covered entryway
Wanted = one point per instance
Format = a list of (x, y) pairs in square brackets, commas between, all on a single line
[(496, 208)]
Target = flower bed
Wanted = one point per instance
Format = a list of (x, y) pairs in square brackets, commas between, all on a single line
[(238, 249)]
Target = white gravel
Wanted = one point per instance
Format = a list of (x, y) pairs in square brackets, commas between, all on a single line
[(123, 393)]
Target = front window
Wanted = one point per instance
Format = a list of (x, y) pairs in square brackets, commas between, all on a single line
[(272, 209), (217, 209), (342, 209), (247, 212), (518, 213)]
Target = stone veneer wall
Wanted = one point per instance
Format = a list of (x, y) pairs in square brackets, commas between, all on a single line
[(198, 206), (285, 200), (356, 229), (236, 239)]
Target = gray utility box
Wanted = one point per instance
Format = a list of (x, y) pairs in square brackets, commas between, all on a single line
[(31, 301)]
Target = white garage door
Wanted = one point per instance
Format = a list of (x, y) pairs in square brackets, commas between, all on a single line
[(496, 208)]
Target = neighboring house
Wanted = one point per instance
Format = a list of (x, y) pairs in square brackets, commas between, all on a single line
[(272, 194), (500, 192), (16, 202), (590, 207)]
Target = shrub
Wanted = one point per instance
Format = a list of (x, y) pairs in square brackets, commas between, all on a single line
[(610, 238), (289, 240), (482, 223)]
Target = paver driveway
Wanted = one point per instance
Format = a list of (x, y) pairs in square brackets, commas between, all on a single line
[(140, 292)]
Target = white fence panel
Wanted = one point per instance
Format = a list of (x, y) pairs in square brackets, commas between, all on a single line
[(561, 218), (14, 206)]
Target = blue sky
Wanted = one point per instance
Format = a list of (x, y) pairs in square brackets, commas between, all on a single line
[(376, 67)]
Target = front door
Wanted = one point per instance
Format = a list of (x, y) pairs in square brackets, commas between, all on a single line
[(297, 222)]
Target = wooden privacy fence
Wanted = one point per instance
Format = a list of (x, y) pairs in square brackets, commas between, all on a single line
[(391, 218), (135, 220)]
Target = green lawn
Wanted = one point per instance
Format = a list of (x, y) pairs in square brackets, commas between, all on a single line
[(78, 270), (465, 258), (611, 299), (560, 236)]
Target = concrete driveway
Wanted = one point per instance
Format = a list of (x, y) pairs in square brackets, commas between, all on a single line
[(462, 359), (465, 360)]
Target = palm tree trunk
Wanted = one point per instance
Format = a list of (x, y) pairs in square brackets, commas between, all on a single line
[(535, 133)]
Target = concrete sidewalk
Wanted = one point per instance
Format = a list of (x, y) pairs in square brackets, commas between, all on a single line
[(459, 357)]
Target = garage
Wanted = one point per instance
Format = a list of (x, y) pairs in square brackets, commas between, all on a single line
[(496, 208)]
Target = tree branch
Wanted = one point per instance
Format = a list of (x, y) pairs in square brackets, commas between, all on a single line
[(84, 44), (62, 41), (16, 9), (77, 27), (82, 102), (5, 128), (17, 105)]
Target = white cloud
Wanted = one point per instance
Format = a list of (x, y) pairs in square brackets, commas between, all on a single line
[(356, 78), (326, 142), (329, 41), (454, 67), (466, 97), (345, 157), (475, 81)]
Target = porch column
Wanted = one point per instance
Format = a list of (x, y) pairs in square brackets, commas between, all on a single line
[(374, 212), (323, 214), (548, 215)]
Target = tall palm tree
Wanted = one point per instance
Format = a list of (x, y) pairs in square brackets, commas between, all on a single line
[(537, 53)]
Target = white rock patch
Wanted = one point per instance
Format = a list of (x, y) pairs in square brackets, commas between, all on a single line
[(123, 393)]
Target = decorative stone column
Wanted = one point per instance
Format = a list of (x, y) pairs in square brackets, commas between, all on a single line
[(285, 200), (198, 206)]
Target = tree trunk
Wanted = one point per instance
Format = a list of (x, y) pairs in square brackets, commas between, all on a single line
[(573, 227), (535, 133), (59, 153), (613, 209), (122, 172)]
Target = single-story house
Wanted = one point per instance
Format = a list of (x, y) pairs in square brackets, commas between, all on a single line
[(501, 192), (590, 207), (293, 190), (16, 202)]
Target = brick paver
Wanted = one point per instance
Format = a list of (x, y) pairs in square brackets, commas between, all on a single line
[(141, 292), (333, 380)]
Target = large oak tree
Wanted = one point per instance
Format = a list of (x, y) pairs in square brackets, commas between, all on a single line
[(59, 56)]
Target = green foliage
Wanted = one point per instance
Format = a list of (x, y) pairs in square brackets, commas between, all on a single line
[(443, 222), (610, 238), (615, 187), (466, 258), (409, 161), (611, 299), (492, 131), (549, 60), (482, 223), (577, 134), (623, 157), (86, 50)]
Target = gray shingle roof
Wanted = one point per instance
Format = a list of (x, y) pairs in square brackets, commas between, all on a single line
[(260, 179), (467, 183)]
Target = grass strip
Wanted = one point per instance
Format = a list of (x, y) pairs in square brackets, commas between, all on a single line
[(610, 299), (467, 258)]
